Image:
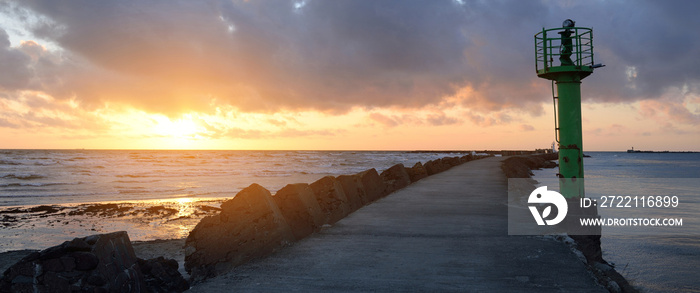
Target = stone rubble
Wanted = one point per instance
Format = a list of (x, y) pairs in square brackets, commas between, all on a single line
[(97, 263)]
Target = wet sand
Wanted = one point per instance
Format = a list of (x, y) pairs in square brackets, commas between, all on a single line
[(156, 227), (40, 227)]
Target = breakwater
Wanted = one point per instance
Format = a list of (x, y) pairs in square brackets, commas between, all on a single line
[(256, 223), (443, 233)]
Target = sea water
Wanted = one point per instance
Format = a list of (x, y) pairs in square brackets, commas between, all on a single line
[(655, 262), (40, 177)]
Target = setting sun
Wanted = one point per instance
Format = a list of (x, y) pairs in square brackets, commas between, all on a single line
[(183, 128)]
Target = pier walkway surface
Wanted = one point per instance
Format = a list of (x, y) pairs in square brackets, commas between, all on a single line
[(444, 233)]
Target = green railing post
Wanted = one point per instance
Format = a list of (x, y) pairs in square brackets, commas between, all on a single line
[(544, 49)]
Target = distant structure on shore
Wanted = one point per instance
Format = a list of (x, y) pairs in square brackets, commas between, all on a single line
[(658, 152)]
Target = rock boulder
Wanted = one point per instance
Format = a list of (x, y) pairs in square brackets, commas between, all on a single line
[(372, 184), (161, 275), (451, 161), (395, 178), (417, 172), (331, 198), (249, 226), (466, 158), (354, 191), (97, 263), (433, 167), (298, 205)]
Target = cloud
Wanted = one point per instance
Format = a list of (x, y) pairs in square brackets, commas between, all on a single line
[(665, 111), (441, 119), (614, 130), (383, 120), (277, 122), (290, 132), (15, 73), (245, 133), (283, 133), (431, 118), (173, 57), (32, 49), (526, 127), (497, 118), (617, 128), (4, 122), (185, 52), (667, 128)]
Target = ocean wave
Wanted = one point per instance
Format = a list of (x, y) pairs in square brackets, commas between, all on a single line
[(35, 184), (137, 181), (22, 176), (46, 163), (271, 173), (131, 176), (132, 191), (10, 163), (76, 159), (84, 172), (11, 199)]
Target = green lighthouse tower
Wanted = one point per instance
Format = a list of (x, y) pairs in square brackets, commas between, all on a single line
[(565, 56)]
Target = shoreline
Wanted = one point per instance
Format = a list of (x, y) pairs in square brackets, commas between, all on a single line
[(38, 227), (4, 209)]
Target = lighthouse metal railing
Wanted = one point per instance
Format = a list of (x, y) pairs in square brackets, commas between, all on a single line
[(549, 42)]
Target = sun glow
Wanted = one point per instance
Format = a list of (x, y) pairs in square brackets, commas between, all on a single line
[(183, 128), (162, 132)]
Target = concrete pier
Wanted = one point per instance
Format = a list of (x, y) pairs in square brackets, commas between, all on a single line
[(444, 233)]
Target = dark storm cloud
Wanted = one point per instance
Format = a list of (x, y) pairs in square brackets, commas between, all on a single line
[(172, 56), (15, 73), (657, 39)]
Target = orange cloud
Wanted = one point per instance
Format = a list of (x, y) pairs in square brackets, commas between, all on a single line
[(668, 110), (526, 127), (383, 120)]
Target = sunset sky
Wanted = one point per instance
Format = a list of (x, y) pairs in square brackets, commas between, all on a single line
[(338, 75)]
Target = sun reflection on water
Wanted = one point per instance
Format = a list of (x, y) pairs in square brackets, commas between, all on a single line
[(184, 207), (185, 210), (174, 217)]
